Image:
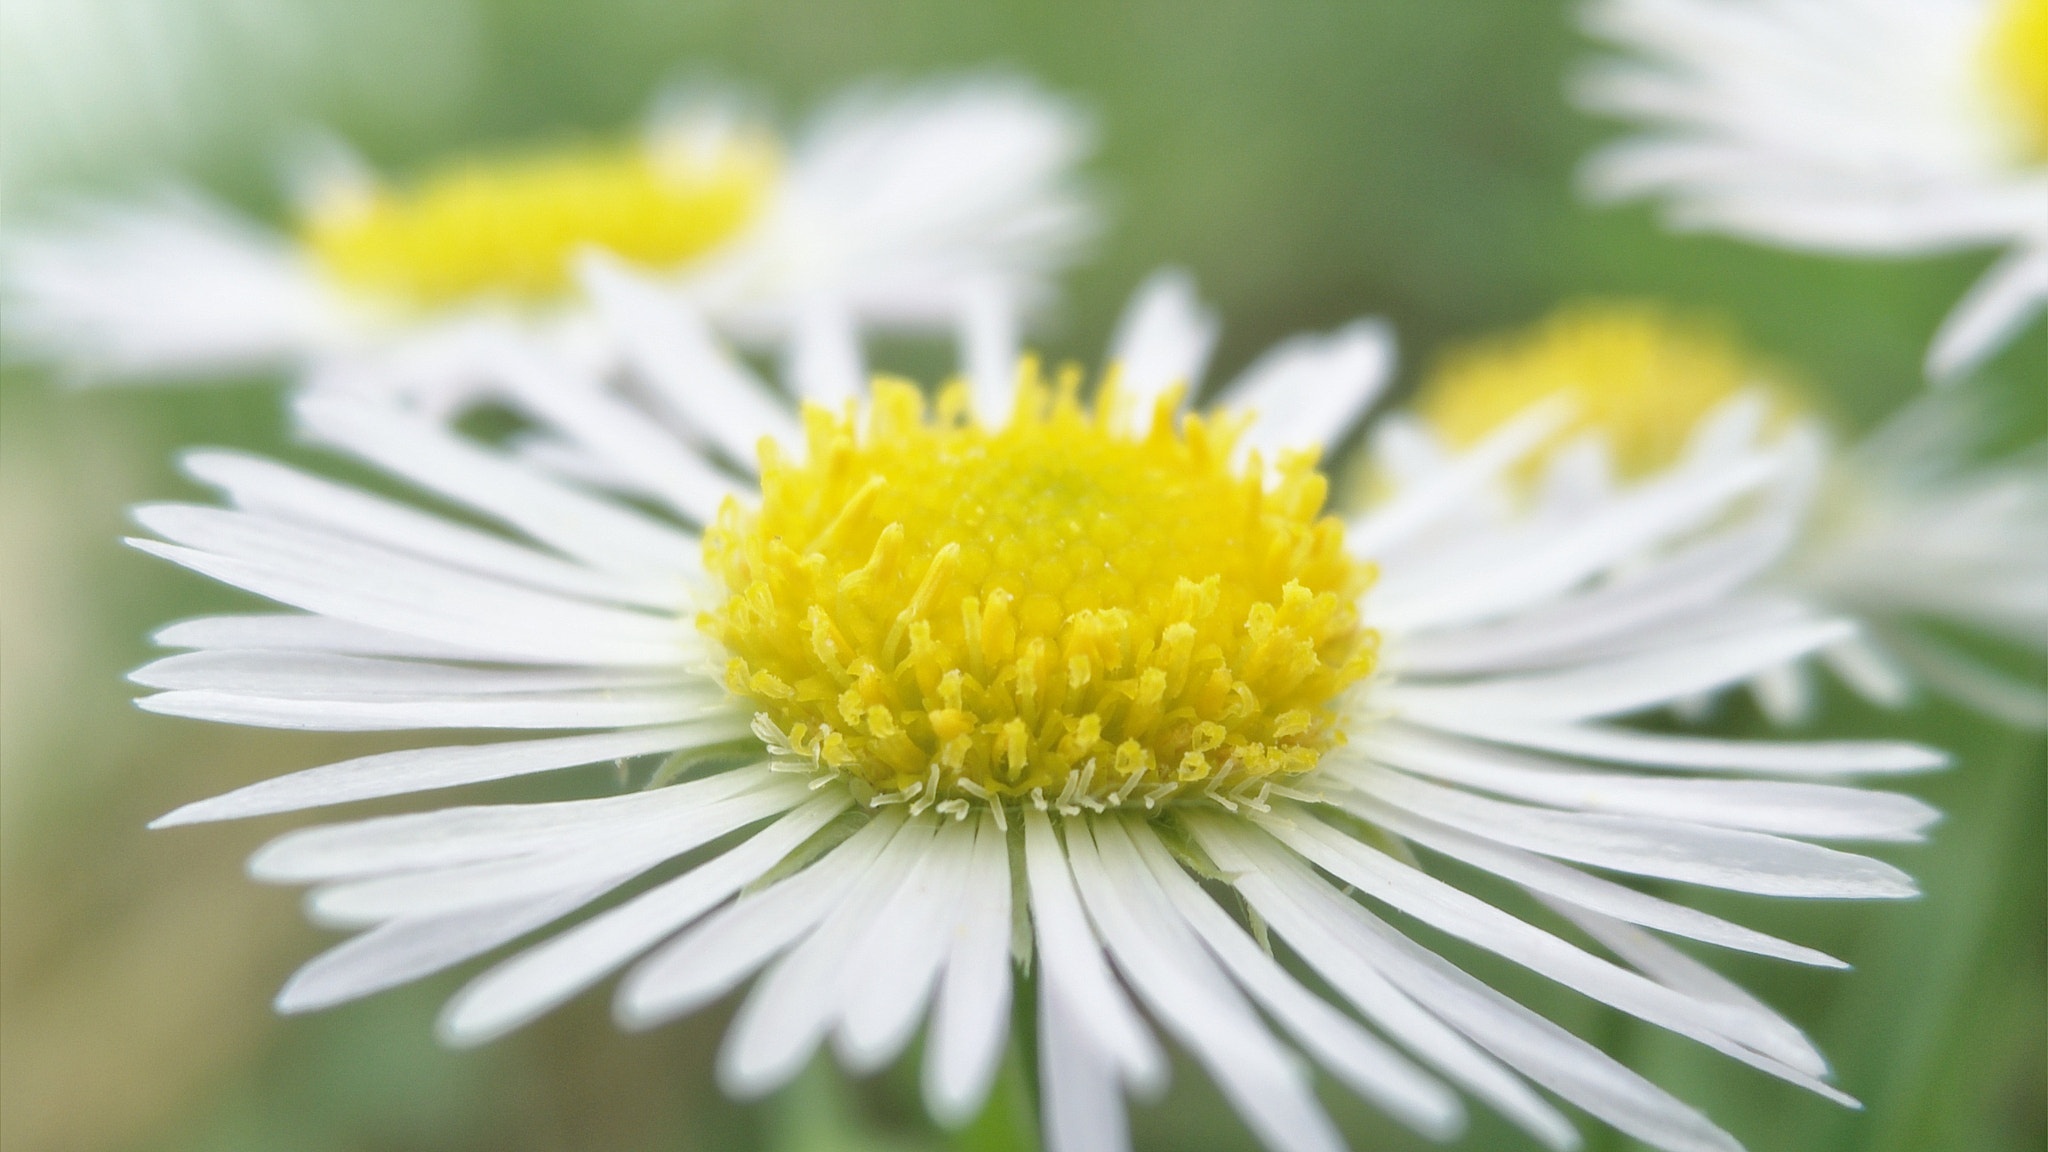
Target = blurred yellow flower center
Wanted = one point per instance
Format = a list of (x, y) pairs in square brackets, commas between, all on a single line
[(1056, 611), (2016, 63), (1635, 375), (508, 228)]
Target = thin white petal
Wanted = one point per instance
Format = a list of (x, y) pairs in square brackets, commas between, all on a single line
[(273, 490), (1358, 1058), (1996, 308), (675, 353), (1816, 811), (1083, 1106), (1310, 390), (1416, 508), (1668, 849), (405, 950), (425, 769), (1658, 750), (1189, 995), (293, 632), (906, 939), (786, 1015), (970, 1014), (716, 955), (1318, 938), (1163, 340), (544, 976), (1070, 957), (602, 709), (479, 832), (320, 676), (990, 343), (1591, 892), (1469, 918), (451, 608), (826, 364), (1617, 686), (602, 532), (626, 846)]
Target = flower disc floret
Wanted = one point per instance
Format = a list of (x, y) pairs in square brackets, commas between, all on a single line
[(508, 227), (1055, 610)]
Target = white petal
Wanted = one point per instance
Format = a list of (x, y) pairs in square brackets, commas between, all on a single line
[(1783, 693), (1189, 995), (292, 632), (602, 532), (1340, 960), (990, 342), (448, 607), (1354, 1055), (1591, 892), (1658, 750), (602, 709), (1617, 686), (1420, 506), (1995, 309), (320, 676), (405, 950), (1083, 1107), (1310, 390), (1537, 1048), (481, 832), (1069, 957), (544, 976), (1469, 918), (425, 769), (716, 955), (687, 372), (1669, 849), (626, 846), (826, 364), (1816, 811), (906, 940), (1656, 512), (779, 1025), (1163, 340), (971, 1013), (173, 287), (609, 428), (272, 490)]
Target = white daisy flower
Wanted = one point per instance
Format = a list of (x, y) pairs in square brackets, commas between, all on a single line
[(1863, 127), (1001, 680), (1900, 531), (894, 206)]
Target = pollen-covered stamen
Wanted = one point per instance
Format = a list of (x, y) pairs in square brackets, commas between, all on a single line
[(1054, 612), (2016, 68), (509, 227), (1636, 376)]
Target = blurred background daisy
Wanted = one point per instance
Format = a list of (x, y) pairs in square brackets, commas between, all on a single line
[(1307, 165)]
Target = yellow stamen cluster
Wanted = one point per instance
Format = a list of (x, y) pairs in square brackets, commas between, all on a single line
[(508, 228), (2016, 65), (1634, 374), (1056, 611)]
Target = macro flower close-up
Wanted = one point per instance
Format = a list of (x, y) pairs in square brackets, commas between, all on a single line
[(1111, 646), (792, 576)]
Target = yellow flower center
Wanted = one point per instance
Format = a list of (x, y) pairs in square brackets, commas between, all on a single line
[(1636, 375), (2016, 66), (1056, 611), (507, 228)]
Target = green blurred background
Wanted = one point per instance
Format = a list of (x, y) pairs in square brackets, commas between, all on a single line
[(1308, 162)]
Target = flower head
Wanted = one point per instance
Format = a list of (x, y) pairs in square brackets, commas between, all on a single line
[(1878, 127), (1900, 530), (900, 208), (1016, 666)]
